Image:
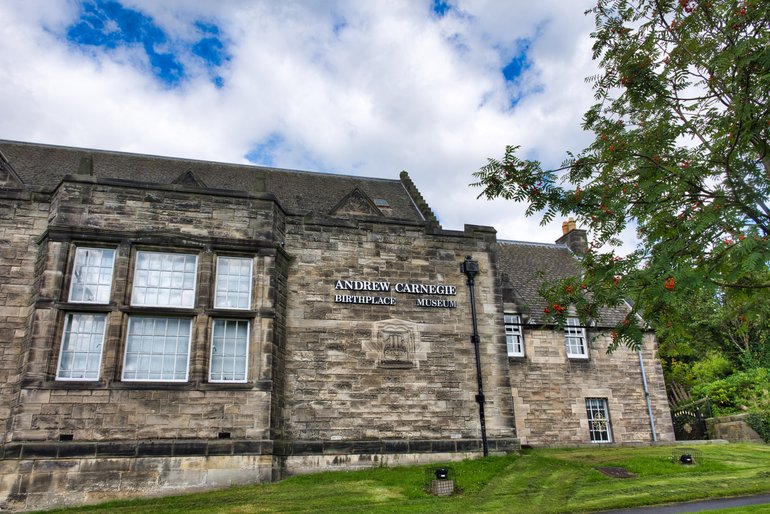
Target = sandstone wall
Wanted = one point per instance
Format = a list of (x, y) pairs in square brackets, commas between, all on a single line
[(70, 441), (49, 481), (84, 212), (549, 390), (732, 428), (341, 384), (24, 218)]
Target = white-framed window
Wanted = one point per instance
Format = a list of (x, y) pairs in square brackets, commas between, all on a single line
[(157, 349), (514, 337), (92, 275), (598, 420), (233, 283), (575, 339), (80, 355), (229, 350), (164, 279)]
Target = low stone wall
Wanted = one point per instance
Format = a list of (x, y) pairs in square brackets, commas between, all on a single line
[(732, 428), (54, 482), (42, 475), (313, 456)]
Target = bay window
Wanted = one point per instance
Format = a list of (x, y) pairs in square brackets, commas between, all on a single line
[(163, 318)]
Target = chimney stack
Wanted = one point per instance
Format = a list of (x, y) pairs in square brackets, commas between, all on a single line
[(568, 226), (575, 238)]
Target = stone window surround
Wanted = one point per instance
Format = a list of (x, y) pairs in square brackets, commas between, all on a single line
[(119, 309)]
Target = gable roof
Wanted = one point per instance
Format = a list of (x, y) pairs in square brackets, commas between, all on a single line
[(298, 192), (524, 267)]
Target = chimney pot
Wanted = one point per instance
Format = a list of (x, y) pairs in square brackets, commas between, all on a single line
[(574, 238)]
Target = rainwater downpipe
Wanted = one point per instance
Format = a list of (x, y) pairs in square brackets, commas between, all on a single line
[(647, 396)]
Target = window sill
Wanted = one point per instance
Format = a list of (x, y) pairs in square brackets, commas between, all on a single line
[(231, 313), (159, 311), (85, 307), (78, 385)]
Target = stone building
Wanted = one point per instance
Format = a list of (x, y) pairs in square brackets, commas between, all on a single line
[(169, 324)]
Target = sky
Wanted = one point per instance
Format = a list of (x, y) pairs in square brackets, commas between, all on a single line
[(357, 87)]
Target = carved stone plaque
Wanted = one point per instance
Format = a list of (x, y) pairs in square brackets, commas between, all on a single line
[(395, 343)]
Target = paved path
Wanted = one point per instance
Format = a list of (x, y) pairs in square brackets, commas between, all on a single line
[(698, 506)]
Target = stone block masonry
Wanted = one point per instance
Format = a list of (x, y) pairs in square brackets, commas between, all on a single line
[(397, 368), (234, 324)]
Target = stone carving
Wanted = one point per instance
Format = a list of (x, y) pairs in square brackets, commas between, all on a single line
[(8, 177), (395, 343), (356, 203), (190, 179)]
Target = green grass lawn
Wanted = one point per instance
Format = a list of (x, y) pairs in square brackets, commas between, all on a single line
[(539, 480)]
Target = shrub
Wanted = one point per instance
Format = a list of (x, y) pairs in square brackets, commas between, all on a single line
[(746, 390), (760, 422), (712, 366)]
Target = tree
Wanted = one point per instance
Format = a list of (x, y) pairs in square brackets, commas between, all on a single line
[(681, 153)]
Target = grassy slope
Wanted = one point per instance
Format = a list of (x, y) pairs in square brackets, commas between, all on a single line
[(555, 480)]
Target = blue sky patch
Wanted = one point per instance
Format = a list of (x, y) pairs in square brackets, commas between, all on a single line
[(441, 7), (210, 48), (512, 72), (264, 152), (519, 63), (110, 25)]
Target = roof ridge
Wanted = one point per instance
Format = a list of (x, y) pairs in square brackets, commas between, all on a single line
[(532, 243), (191, 160)]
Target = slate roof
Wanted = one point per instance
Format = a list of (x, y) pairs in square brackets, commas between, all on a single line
[(525, 266), (298, 192)]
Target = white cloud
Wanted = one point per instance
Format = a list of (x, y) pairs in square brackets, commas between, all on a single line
[(395, 88)]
